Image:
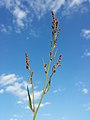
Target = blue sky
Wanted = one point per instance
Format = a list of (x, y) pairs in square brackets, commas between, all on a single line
[(25, 26)]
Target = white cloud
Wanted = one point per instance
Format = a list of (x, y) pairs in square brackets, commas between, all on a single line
[(57, 90), (23, 14), (5, 29), (1, 91), (43, 104), (37, 94), (19, 12), (86, 53), (13, 84), (72, 6), (41, 7), (85, 91), (86, 33), (17, 90), (34, 33), (82, 87), (76, 2), (19, 102), (55, 6), (80, 84), (16, 117), (6, 79), (87, 106), (20, 16)]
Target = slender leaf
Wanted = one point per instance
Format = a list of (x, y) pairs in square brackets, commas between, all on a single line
[(48, 84), (30, 102), (48, 88)]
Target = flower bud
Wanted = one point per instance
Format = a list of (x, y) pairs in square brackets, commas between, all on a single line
[(54, 70), (52, 14), (51, 58), (31, 73), (28, 67), (50, 53), (60, 56), (59, 30), (59, 65), (30, 80), (54, 66), (45, 65), (45, 72)]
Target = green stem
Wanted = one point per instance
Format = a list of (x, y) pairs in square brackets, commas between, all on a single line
[(44, 89), (34, 117), (33, 96)]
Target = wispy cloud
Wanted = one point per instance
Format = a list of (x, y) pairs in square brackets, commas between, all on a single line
[(19, 102), (87, 107), (72, 6), (86, 53), (76, 2), (82, 87), (85, 91), (86, 33), (20, 15), (57, 90), (16, 117), (1, 91), (6, 79), (15, 85), (5, 29), (18, 90), (23, 14), (43, 104), (19, 11), (41, 7)]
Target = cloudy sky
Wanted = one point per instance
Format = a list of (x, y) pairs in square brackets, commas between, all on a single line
[(25, 26)]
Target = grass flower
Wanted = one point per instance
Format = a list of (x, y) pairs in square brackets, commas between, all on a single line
[(47, 68)]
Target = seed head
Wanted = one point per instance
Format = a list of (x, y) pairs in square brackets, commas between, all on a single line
[(45, 72), (31, 73), (28, 67), (54, 70), (59, 65), (60, 56), (45, 65), (52, 14), (30, 80), (59, 31), (50, 53)]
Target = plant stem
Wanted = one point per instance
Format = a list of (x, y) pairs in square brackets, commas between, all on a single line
[(44, 89), (34, 117), (35, 113), (33, 96)]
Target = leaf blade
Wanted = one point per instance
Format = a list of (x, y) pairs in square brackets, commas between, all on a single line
[(30, 102)]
